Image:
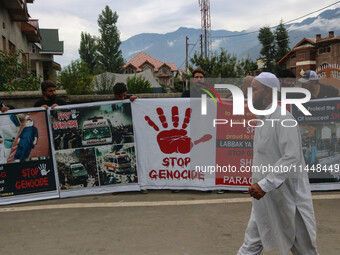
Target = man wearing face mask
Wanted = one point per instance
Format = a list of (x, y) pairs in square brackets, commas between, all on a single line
[(49, 99), (26, 141)]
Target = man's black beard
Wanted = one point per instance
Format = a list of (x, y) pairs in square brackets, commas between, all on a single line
[(258, 104), (52, 97)]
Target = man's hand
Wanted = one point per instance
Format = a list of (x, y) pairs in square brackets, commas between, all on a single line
[(53, 105), (133, 98), (256, 192), (4, 108), (45, 106)]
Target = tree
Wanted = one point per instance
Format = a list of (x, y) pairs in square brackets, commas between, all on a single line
[(109, 55), (16, 75), (138, 85), (104, 83), (222, 65), (267, 39), (88, 50), (76, 78), (282, 44)]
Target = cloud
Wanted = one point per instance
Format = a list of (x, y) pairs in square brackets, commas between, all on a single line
[(323, 24), (215, 45), (171, 43), (130, 53), (162, 16)]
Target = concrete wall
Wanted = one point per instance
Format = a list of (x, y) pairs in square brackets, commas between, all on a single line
[(26, 99)]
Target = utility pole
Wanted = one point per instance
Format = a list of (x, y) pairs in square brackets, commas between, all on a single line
[(186, 59), (186, 53), (201, 39)]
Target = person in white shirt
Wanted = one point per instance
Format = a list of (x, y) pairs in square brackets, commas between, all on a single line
[(282, 216)]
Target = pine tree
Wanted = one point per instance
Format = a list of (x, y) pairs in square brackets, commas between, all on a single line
[(282, 44), (109, 55), (87, 50), (267, 39)]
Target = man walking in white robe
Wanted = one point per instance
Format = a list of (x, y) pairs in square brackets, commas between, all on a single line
[(282, 216)]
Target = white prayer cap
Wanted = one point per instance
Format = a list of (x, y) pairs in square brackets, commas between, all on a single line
[(269, 80)]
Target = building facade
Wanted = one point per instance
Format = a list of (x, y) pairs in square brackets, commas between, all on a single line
[(321, 54), (20, 33), (163, 72)]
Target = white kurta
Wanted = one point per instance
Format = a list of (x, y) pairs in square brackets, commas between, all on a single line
[(286, 192)]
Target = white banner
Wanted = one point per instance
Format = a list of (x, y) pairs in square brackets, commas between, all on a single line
[(173, 139)]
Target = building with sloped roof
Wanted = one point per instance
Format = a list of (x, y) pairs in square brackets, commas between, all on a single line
[(20, 33), (320, 54), (42, 54), (163, 72)]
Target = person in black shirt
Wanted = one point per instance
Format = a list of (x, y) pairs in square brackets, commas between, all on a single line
[(49, 99), (198, 79), (310, 81), (120, 92)]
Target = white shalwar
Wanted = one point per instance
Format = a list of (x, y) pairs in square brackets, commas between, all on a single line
[(283, 219)]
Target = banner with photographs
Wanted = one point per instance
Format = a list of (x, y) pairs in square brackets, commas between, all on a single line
[(26, 165), (175, 143), (94, 148), (321, 142)]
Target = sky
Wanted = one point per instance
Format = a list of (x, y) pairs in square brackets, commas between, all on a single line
[(72, 17)]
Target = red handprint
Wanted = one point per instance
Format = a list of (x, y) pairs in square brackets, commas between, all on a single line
[(175, 140)]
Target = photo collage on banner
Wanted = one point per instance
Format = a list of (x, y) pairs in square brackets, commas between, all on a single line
[(94, 146), (320, 134), (26, 165)]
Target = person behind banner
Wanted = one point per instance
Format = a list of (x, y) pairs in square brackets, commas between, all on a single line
[(246, 84), (26, 141), (49, 99), (5, 108), (198, 80), (310, 81), (282, 215), (120, 92), (287, 78)]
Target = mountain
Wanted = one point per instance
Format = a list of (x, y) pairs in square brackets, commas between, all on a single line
[(170, 47)]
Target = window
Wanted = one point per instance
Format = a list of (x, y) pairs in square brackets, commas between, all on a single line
[(130, 70), (146, 67), (163, 70), (325, 49), (11, 46), (25, 58), (4, 43), (33, 49)]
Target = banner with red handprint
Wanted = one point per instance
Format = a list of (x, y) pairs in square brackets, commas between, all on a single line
[(173, 138)]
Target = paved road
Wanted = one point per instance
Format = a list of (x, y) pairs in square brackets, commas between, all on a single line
[(158, 223)]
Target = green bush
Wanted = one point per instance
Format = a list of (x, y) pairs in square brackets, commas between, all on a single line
[(76, 79), (16, 75), (138, 85)]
